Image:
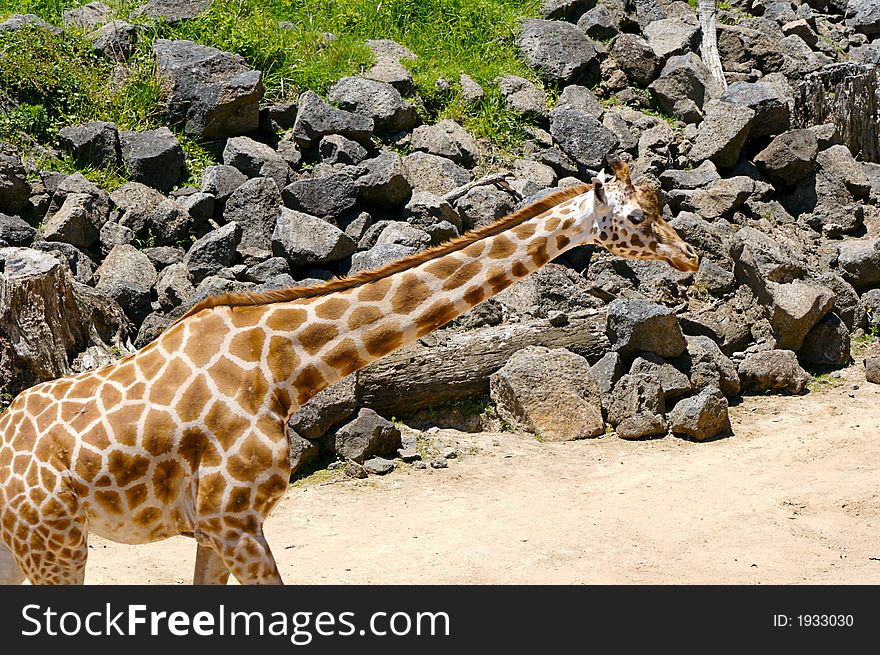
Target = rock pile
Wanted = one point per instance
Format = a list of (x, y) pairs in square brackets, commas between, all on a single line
[(783, 212)]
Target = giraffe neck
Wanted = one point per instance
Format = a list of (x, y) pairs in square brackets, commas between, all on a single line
[(331, 336)]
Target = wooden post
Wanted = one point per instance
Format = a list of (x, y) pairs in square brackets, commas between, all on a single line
[(707, 10)]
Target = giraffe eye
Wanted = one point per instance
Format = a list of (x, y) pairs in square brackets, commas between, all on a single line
[(636, 216)]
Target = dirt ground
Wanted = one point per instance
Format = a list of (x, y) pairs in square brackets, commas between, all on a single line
[(792, 497)]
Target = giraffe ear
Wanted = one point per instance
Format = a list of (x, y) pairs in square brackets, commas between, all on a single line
[(599, 190)]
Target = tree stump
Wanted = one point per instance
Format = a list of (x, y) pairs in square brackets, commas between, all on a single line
[(847, 95)]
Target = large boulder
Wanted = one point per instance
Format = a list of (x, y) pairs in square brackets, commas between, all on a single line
[(368, 434), (154, 157), (722, 133), (214, 94), (446, 139), (316, 119), (327, 409), (636, 325), (378, 101), (771, 107), (827, 343), (77, 222), (772, 371), (434, 174), (385, 182), (95, 143), (256, 159), (255, 206), (859, 261), (14, 188), (796, 307), (684, 87), (863, 16), (707, 366), (702, 416), (789, 157), (636, 59), (637, 408), (305, 239), (560, 52), (328, 196), (172, 11), (213, 252), (582, 137), (15, 231), (548, 393), (115, 40), (522, 96)]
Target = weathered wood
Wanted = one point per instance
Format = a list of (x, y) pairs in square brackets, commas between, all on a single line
[(707, 10), (847, 95), (450, 366)]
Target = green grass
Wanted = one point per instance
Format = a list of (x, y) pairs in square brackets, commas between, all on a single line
[(58, 81)]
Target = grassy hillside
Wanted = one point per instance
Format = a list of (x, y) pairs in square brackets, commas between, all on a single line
[(50, 82)]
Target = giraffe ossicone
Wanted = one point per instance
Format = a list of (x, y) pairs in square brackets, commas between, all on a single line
[(188, 435)]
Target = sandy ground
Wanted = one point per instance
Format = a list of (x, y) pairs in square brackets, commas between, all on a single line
[(792, 497)]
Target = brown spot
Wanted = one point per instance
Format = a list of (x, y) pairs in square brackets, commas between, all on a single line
[(273, 427), (239, 500), (20, 463), (636, 241), (502, 247), (210, 494), (252, 392), (126, 468), (252, 458), (147, 516), (519, 269), (191, 445), (567, 224), (167, 478), (411, 293), (375, 291), (211, 453), (462, 276), (136, 495), (193, 399), (439, 313), (308, 383), (84, 389), (269, 492), (603, 235), (150, 362), (248, 345), (286, 318), (173, 338), (562, 241), (123, 422), (344, 357), (281, 358), (552, 223), (159, 430), (444, 267), (383, 339), (227, 376), (224, 424), (37, 495), (314, 337), (109, 501), (475, 295), (525, 231), (241, 524), (5, 456), (497, 279), (364, 315), (104, 481), (537, 250), (332, 309), (475, 249), (244, 316)]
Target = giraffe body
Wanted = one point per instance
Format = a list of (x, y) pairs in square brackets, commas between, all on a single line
[(188, 435)]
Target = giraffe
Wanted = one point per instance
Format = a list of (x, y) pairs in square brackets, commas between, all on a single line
[(187, 436)]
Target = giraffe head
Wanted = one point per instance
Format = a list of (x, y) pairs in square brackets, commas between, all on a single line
[(629, 223)]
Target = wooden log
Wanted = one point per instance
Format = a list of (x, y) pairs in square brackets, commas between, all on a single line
[(448, 365), (706, 10), (847, 95)]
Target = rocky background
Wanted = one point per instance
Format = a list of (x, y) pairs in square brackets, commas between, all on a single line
[(775, 180)]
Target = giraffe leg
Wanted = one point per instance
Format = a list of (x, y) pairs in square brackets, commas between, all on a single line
[(10, 571), (246, 554), (210, 569)]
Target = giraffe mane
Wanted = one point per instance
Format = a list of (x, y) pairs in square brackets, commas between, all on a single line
[(364, 277)]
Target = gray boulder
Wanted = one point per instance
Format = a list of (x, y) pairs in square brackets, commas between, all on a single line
[(846, 300), (15, 231), (827, 343), (213, 252), (707, 366), (720, 198), (582, 137), (434, 174), (684, 87), (859, 261), (771, 107), (702, 416), (673, 382), (174, 286), (471, 92), (483, 205), (14, 188), (637, 408), (154, 157), (548, 393), (796, 307), (302, 452), (636, 59), (722, 133), (135, 201), (580, 98), (169, 222), (378, 256), (256, 159), (690, 179), (255, 206), (304, 239), (21, 21), (316, 119), (88, 17), (772, 370), (77, 221), (328, 196), (605, 373), (446, 139), (433, 214), (670, 37), (200, 206), (116, 40), (523, 97), (367, 435), (637, 325), (172, 11), (789, 157), (378, 101), (221, 181), (327, 409), (760, 258), (560, 52), (863, 16), (379, 466), (336, 149), (384, 182), (599, 24), (214, 94), (95, 143), (126, 276)]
